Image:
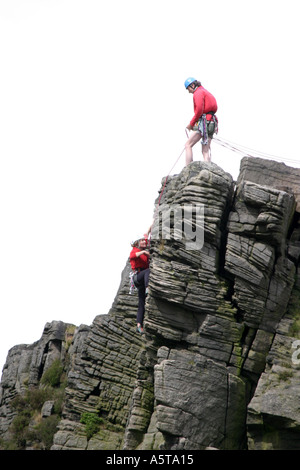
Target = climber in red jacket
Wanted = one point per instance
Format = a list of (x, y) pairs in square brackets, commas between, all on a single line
[(204, 122), (139, 260)]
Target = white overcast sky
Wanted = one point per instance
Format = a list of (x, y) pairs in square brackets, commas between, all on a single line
[(92, 116)]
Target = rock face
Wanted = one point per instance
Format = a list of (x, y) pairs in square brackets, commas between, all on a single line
[(27, 364), (218, 366)]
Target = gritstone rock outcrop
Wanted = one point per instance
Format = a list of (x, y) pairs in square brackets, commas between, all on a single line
[(217, 367)]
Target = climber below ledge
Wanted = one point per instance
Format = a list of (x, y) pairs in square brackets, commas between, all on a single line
[(204, 123), (139, 260)]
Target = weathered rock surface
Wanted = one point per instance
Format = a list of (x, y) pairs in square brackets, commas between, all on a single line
[(26, 365), (215, 368), (272, 174)]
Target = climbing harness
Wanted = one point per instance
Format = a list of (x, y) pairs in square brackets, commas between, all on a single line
[(202, 125), (132, 287), (134, 284)]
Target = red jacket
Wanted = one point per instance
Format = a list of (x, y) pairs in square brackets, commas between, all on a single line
[(140, 262), (203, 103)]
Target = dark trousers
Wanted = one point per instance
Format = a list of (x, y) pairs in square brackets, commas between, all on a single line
[(143, 279)]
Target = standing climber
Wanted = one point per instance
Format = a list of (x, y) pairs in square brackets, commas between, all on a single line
[(139, 260), (204, 122)]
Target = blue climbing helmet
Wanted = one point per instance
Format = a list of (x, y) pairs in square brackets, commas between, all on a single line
[(189, 81)]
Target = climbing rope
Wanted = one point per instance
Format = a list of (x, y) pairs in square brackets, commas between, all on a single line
[(248, 152), (161, 193), (165, 183)]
